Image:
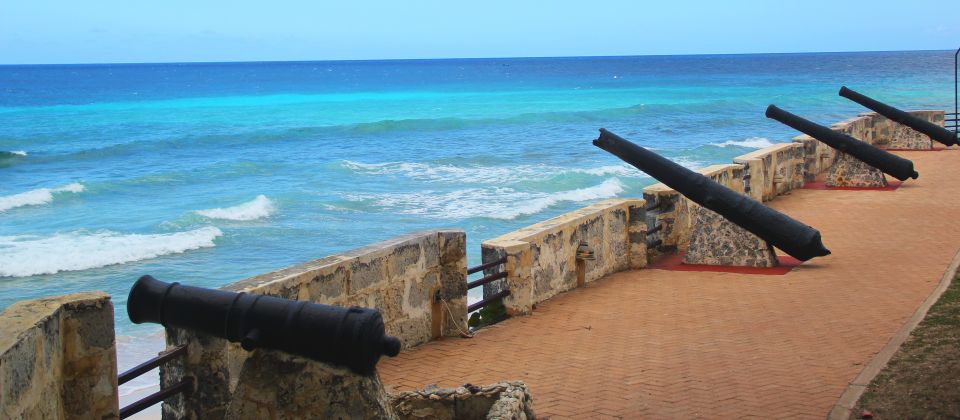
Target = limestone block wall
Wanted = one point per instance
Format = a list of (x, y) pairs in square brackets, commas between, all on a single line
[(541, 257), (399, 277), (774, 170), (58, 358), (676, 213), (885, 132)]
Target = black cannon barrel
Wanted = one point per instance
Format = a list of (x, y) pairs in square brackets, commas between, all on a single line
[(932, 130), (794, 238), (352, 337), (883, 160)]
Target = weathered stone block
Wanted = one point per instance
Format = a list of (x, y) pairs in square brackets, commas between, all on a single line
[(504, 400), (58, 358), (717, 241), (848, 171), (276, 385)]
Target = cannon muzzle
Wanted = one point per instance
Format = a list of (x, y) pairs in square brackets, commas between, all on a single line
[(795, 238), (883, 160), (933, 131), (352, 337)]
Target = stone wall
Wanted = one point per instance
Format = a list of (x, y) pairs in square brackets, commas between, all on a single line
[(884, 132), (774, 170), (676, 213), (504, 400), (58, 358), (541, 257), (398, 277)]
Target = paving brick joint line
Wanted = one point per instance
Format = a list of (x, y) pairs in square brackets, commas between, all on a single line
[(669, 344)]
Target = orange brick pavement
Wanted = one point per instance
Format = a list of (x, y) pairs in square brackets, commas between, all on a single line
[(667, 344)]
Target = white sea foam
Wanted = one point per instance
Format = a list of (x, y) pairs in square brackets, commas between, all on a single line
[(18, 152), (751, 142), (498, 203), (498, 175), (257, 208), (29, 255), (37, 197)]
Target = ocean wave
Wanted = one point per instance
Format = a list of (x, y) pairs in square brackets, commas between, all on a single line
[(13, 153), (751, 142), (483, 174), (30, 255), (496, 203), (37, 197), (258, 208)]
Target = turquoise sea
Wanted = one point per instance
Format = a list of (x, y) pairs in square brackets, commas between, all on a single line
[(209, 173)]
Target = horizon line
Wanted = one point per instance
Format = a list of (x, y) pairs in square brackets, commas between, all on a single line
[(131, 63)]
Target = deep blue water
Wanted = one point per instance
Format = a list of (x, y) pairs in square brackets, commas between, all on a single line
[(108, 172)]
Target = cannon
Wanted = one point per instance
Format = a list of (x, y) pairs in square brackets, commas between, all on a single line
[(883, 160), (933, 131), (352, 337), (795, 238)]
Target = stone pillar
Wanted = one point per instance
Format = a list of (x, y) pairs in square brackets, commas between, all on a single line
[(58, 358), (637, 235), (519, 275), (717, 241), (453, 281), (848, 171)]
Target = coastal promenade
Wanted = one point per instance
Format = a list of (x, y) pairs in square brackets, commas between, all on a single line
[(669, 344)]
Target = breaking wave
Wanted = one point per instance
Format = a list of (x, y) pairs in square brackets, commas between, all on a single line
[(37, 197), (496, 203), (484, 174), (752, 143), (29, 255), (258, 208)]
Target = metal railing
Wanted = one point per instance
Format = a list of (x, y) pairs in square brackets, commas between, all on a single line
[(487, 279), (186, 385), (950, 118)]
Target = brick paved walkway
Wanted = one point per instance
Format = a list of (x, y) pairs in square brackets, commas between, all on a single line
[(667, 344)]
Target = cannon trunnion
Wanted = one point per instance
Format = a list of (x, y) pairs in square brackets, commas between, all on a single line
[(352, 337)]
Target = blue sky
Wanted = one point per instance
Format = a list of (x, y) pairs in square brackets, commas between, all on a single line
[(101, 31)]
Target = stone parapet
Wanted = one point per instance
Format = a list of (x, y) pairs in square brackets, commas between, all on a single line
[(676, 213), (398, 277), (541, 258), (774, 170), (58, 358)]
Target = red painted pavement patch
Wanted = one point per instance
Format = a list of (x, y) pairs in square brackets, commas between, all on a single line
[(822, 185), (935, 149), (674, 262)]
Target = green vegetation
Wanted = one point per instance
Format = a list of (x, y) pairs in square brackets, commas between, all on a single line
[(491, 314)]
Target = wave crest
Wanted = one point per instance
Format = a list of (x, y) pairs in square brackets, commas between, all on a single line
[(498, 175), (258, 208), (37, 197), (750, 142), (30, 255), (495, 203)]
